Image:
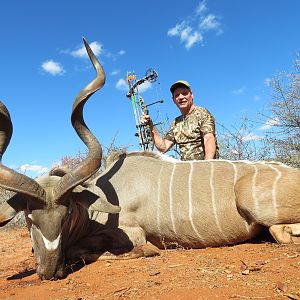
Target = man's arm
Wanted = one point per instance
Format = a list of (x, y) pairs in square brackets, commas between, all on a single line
[(163, 145), (209, 145)]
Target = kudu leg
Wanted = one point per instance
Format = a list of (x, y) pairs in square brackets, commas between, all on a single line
[(286, 233), (146, 250), (127, 243)]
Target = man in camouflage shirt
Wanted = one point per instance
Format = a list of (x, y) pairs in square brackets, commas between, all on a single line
[(193, 131)]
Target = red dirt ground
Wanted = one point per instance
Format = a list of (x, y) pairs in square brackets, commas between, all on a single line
[(247, 271)]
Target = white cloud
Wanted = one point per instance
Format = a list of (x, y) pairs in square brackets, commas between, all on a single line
[(144, 86), (235, 152), (33, 168), (113, 56), (96, 47), (186, 34), (191, 30), (210, 22), (176, 30), (122, 85), (251, 137), (115, 72), (52, 67), (270, 123), (267, 81), (256, 98), (238, 91), (193, 38), (201, 8)]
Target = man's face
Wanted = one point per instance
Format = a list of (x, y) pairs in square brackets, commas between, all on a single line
[(183, 98)]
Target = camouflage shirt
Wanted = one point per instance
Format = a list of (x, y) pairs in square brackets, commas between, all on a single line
[(187, 132)]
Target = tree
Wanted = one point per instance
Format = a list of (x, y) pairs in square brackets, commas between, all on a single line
[(70, 162), (284, 118), (239, 143), (281, 121)]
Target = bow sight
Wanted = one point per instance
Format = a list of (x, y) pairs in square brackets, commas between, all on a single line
[(139, 106)]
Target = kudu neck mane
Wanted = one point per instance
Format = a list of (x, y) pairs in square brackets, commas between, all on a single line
[(114, 156), (117, 155)]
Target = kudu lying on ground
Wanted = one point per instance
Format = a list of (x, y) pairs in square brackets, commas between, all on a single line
[(192, 204)]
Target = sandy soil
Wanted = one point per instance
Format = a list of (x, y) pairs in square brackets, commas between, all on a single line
[(262, 270)]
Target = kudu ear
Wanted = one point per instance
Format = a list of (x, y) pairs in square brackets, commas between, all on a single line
[(10, 208), (59, 171), (93, 198)]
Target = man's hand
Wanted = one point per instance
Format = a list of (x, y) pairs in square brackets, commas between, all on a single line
[(146, 119)]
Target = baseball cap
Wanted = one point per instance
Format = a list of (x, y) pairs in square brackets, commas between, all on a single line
[(179, 83)]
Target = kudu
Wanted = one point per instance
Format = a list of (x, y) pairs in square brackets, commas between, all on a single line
[(192, 204)]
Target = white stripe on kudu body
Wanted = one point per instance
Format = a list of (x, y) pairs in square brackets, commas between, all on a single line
[(191, 201), (274, 196), (159, 198), (235, 172), (171, 198), (234, 183), (256, 204), (213, 201)]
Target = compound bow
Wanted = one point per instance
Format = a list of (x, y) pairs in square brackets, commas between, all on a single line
[(139, 106)]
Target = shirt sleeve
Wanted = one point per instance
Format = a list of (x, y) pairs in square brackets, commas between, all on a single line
[(208, 123), (170, 134)]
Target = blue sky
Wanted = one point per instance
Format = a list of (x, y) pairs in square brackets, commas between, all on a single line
[(227, 50)]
